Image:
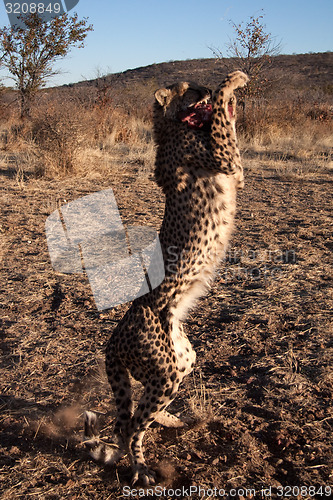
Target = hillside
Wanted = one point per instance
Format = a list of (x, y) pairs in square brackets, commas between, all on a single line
[(293, 71)]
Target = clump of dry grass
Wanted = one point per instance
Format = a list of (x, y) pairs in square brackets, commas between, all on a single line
[(288, 128), (58, 134), (201, 401)]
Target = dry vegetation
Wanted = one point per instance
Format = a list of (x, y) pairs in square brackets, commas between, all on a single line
[(260, 398)]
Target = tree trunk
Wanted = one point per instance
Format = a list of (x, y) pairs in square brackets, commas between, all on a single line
[(24, 103)]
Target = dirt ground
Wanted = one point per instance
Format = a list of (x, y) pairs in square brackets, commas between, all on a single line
[(260, 397)]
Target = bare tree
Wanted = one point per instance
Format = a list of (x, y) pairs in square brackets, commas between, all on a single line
[(251, 51), (30, 53)]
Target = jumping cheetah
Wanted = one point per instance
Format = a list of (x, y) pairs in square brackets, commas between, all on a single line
[(199, 168)]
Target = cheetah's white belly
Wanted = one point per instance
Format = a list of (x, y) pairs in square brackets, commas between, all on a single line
[(184, 353)]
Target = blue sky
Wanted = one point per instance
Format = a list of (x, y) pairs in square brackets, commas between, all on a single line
[(132, 33)]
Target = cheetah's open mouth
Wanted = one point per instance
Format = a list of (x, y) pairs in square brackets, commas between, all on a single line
[(197, 116)]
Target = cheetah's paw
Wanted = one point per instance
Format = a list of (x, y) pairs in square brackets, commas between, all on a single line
[(168, 420), (143, 475)]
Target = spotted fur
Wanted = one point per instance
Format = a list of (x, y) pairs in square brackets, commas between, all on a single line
[(200, 171)]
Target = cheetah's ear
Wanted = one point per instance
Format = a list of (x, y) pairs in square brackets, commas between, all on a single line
[(163, 96)]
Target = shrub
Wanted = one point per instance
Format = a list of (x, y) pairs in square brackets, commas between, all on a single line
[(59, 131)]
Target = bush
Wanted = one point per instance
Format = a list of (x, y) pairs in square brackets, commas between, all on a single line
[(59, 132)]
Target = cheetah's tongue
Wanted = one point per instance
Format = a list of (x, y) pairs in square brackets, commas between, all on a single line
[(197, 116), (231, 111)]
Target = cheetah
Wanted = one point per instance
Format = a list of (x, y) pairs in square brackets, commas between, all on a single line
[(199, 168)]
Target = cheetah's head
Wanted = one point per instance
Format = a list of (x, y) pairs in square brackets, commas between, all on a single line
[(185, 102)]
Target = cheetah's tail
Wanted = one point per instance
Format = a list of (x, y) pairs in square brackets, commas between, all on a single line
[(107, 453)]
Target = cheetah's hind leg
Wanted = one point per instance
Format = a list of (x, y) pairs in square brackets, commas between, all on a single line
[(108, 453)]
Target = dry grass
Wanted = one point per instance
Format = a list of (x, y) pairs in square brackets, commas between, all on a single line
[(72, 132), (288, 131), (68, 137)]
